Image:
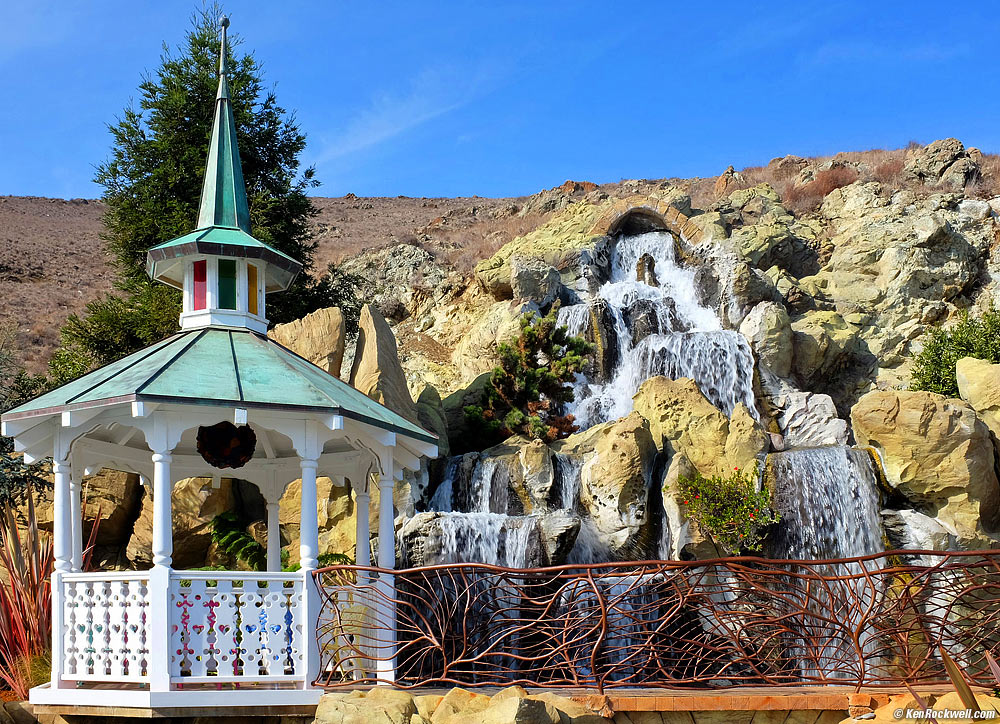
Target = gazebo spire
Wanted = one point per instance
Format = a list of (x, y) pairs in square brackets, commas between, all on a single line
[(224, 194)]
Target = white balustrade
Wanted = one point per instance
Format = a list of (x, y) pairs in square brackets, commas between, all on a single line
[(224, 626), (105, 626), (236, 627)]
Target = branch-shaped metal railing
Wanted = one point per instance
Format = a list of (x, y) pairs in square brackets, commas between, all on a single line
[(870, 621)]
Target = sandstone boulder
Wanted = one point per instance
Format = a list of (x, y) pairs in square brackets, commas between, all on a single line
[(769, 331), (938, 455), (682, 420), (979, 385), (534, 280), (805, 419), (110, 495), (195, 503), (376, 370), (476, 352), (909, 529), (431, 417), (823, 344), (615, 477), (380, 704), (945, 160), (319, 337), (336, 514), (563, 242)]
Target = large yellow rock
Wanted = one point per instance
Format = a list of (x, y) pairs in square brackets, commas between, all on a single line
[(195, 503), (476, 352), (381, 704), (979, 385), (938, 455), (681, 419), (376, 370), (111, 495), (615, 477), (335, 511), (319, 337)]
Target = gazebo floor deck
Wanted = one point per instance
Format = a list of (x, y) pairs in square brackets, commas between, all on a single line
[(798, 698)]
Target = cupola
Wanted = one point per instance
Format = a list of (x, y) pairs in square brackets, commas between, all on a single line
[(223, 271)]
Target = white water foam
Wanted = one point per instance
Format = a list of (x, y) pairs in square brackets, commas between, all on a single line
[(686, 339)]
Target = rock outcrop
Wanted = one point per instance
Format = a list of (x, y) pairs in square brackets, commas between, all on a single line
[(195, 504), (376, 370), (615, 477), (979, 385), (319, 337), (476, 352), (769, 331), (682, 420), (533, 280), (936, 454), (946, 161), (335, 512)]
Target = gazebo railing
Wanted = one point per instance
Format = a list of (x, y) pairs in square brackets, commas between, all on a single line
[(871, 621), (223, 627)]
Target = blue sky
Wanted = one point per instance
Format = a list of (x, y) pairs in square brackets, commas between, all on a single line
[(506, 98)]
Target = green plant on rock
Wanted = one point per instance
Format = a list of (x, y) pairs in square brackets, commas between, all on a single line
[(528, 391), (729, 508), (934, 367), (324, 559), (230, 534)]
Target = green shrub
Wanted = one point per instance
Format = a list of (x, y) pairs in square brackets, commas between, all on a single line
[(229, 532), (528, 392), (730, 508), (934, 367)]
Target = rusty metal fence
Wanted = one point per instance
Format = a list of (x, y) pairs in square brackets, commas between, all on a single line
[(872, 621)]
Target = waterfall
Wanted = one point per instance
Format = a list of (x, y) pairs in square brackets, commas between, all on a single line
[(828, 500), (657, 327)]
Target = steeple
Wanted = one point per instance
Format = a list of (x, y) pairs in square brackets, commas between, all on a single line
[(225, 272), (223, 193)]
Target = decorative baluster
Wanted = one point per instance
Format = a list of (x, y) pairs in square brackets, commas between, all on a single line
[(70, 607), (252, 619), (227, 638), (295, 631), (142, 644), (200, 595), (87, 631), (273, 649), (116, 628)]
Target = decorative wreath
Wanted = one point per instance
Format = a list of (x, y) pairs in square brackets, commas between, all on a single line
[(226, 446)]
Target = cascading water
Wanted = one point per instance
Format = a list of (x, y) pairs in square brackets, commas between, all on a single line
[(828, 500), (485, 534), (657, 327)]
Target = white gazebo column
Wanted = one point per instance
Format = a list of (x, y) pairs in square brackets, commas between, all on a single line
[(385, 666), (62, 521), (273, 536), (76, 525), (163, 535), (62, 550), (308, 518), (362, 543), (159, 575)]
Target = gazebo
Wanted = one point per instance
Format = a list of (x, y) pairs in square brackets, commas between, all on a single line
[(217, 398)]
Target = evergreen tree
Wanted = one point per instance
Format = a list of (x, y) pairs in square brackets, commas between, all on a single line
[(528, 392), (152, 185)]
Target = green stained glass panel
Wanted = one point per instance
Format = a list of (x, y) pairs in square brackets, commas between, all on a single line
[(227, 284)]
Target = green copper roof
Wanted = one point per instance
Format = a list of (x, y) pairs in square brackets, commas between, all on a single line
[(212, 366), (223, 215), (160, 261), (223, 193)]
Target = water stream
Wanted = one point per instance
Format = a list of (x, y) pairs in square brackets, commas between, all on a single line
[(657, 326)]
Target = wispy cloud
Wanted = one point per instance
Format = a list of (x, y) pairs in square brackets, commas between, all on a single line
[(430, 94), (840, 52)]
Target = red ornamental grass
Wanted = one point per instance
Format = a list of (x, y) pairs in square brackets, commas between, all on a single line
[(26, 598)]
